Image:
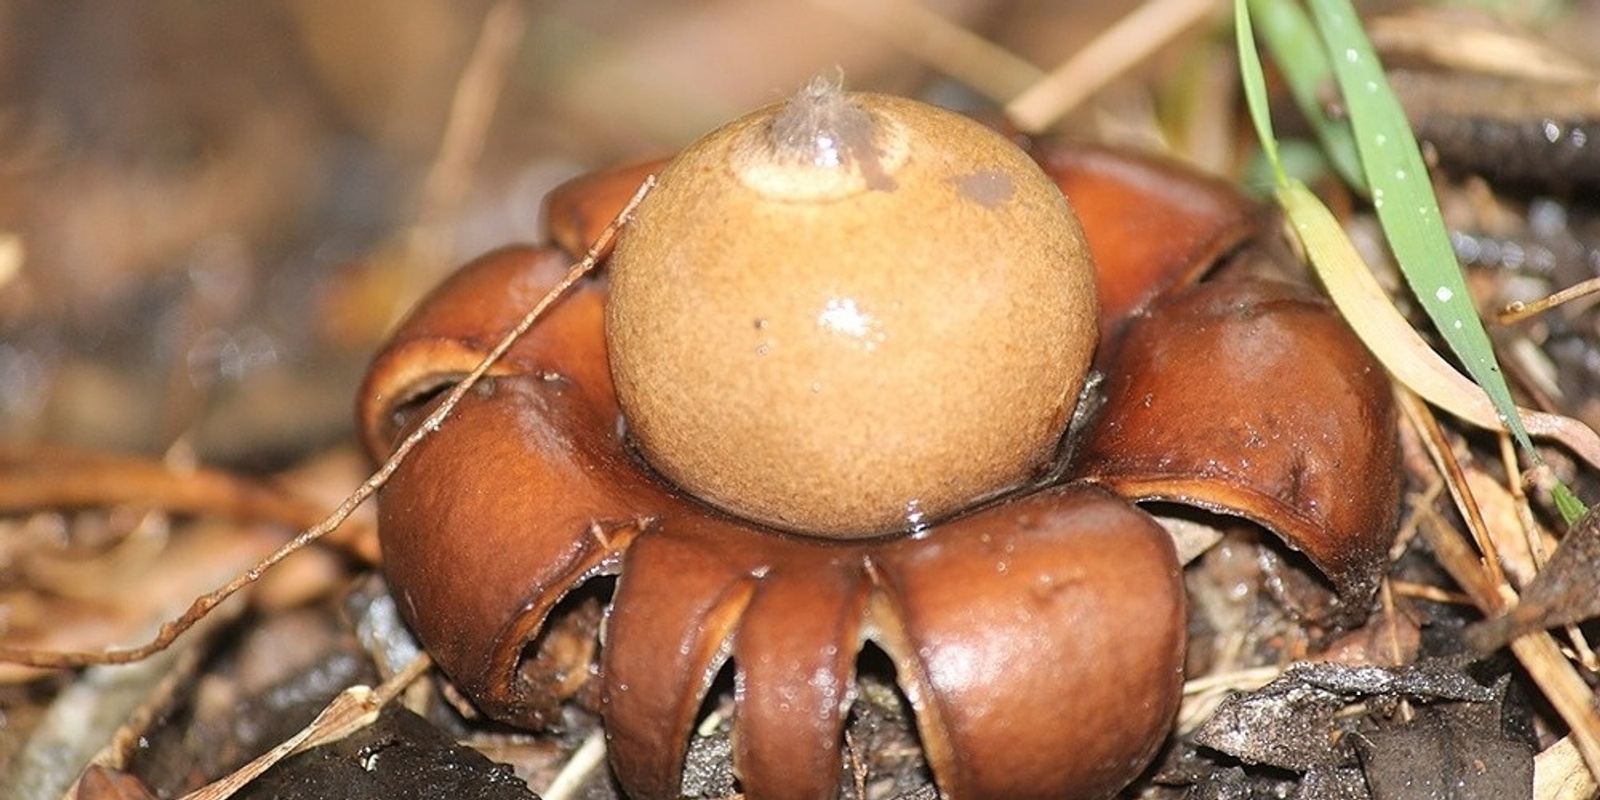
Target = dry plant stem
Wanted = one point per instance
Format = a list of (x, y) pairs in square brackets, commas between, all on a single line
[(1538, 653), (1202, 696), (355, 708), (1239, 681), (1408, 525), (204, 604), (992, 70), (589, 757), (1519, 311), (1422, 591), (1530, 528), (472, 107), (1444, 459), (1559, 774), (1536, 543), (1391, 623), (1113, 52)]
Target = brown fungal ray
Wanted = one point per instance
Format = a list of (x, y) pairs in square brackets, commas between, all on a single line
[(528, 491), (786, 610), (455, 518), (1152, 224), (1254, 398), (795, 651), (1040, 643)]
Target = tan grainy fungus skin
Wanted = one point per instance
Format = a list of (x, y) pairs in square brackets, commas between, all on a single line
[(1038, 636), (781, 358)]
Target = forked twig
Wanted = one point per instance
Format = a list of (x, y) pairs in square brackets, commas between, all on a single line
[(352, 710), (205, 603)]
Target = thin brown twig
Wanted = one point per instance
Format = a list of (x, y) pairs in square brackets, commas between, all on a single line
[(1518, 311), (205, 603), (1444, 459)]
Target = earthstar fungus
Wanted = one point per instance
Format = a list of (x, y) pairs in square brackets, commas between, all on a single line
[(1033, 615)]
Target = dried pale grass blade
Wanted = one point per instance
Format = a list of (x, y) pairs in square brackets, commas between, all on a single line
[(1202, 696), (1391, 338), (472, 107), (992, 70), (1448, 42), (1565, 690), (1559, 774), (1404, 201), (1118, 49), (584, 762)]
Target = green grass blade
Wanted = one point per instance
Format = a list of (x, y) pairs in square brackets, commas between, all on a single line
[(1297, 49), (1255, 88), (1403, 197), (1358, 295)]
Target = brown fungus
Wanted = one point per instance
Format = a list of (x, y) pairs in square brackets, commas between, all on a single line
[(1038, 635)]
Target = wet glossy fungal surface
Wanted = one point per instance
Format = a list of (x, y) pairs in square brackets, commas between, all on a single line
[(1038, 636)]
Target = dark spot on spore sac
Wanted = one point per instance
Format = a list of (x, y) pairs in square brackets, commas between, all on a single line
[(986, 187)]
